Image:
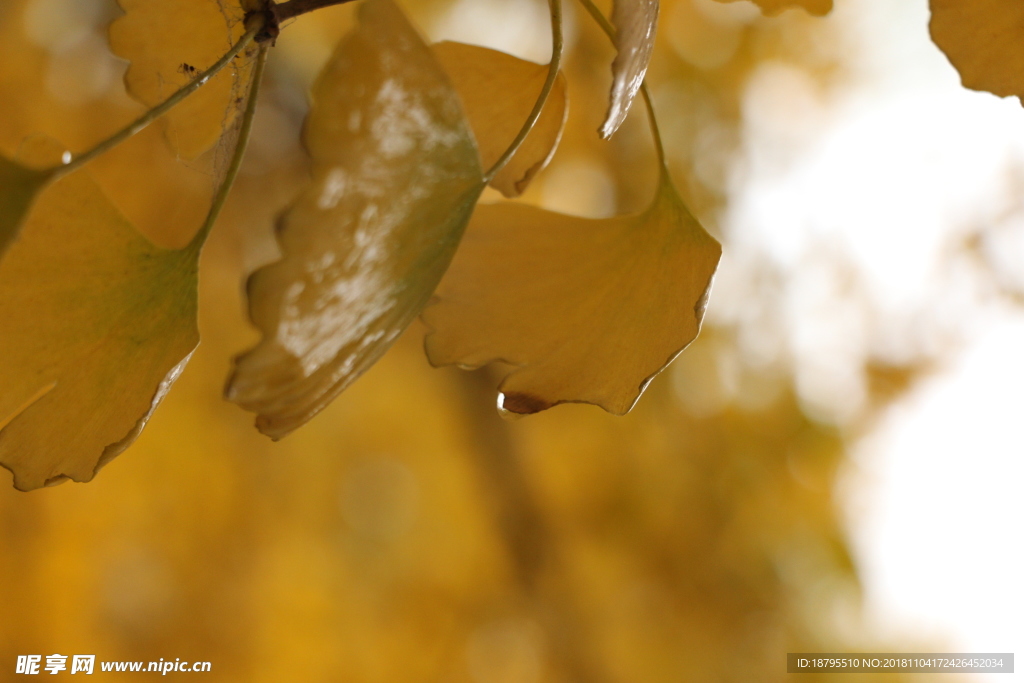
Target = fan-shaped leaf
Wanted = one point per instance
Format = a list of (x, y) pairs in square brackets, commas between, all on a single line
[(97, 324), (583, 310), (395, 179), (18, 188), (168, 42), (498, 92), (983, 39), (773, 7), (636, 23)]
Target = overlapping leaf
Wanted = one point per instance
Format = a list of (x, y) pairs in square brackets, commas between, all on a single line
[(773, 7), (983, 39), (19, 186), (97, 324), (396, 176), (582, 310), (498, 92), (167, 42), (636, 24)]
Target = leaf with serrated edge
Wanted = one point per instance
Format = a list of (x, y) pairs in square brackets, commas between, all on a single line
[(18, 188), (498, 92), (97, 324), (982, 38), (396, 176), (167, 42), (772, 8), (636, 24), (582, 310)]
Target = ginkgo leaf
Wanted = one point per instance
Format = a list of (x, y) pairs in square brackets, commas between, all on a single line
[(97, 324), (982, 38), (636, 23), (582, 310), (498, 92), (168, 42), (19, 186), (772, 8), (396, 175)]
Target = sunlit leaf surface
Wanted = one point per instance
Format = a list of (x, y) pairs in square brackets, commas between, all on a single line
[(97, 323), (167, 42), (498, 92), (583, 310), (983, 39), (18, 187), (396, 176), (774, 7), (636, 23)]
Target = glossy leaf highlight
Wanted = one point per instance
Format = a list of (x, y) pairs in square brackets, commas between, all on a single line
[(581, 310), (18, 188), (636, 24), (498, 92), (97, 324), (982, 38), (167, 42), (396, 176)]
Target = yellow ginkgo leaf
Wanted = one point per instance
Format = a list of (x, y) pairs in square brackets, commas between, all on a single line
[(982, 38), (582, 310), (498, 93), (18, 188), (97, 324), (636, 23), (396, 176), (773, 7), (169, 42)]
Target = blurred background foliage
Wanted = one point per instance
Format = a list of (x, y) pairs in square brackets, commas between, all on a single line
[(408, 533)]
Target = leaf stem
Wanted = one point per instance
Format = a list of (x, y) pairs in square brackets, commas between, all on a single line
[(607, 27), (79, 160), (531, 121), (239, 154)]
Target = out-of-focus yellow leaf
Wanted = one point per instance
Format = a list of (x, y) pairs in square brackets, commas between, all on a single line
[(396, 176), (498, 93), (583, 310), (773, 7), (636, 23), (168, 42), (97, 324), (18, 187), (982, 38)]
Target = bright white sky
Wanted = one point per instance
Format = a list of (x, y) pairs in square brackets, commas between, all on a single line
[(885, 176)]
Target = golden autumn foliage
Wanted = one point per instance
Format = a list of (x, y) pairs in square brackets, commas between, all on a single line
[(408, 533)]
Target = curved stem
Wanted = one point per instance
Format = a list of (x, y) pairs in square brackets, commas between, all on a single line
[(239, 154), (79, 160), (549, 83), (607, 27)]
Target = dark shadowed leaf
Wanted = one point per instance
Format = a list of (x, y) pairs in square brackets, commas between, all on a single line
[(97, 324), (396, 175), (582, 310), (18, 188)]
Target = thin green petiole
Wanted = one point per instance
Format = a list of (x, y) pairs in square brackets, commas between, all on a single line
[(607, 27), (531, 121), (79, 160), (239, 154)]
